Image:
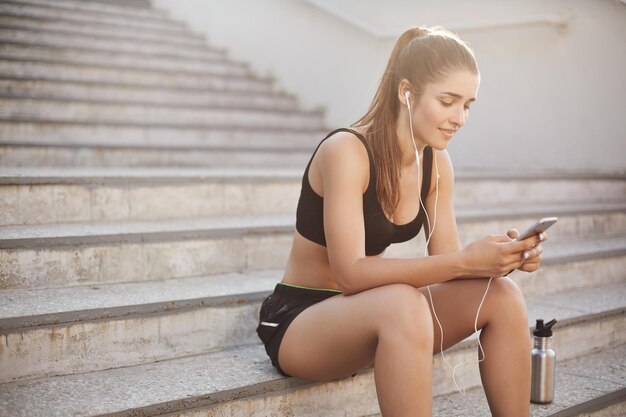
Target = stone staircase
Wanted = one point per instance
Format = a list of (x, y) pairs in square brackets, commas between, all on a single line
[(148, 186)]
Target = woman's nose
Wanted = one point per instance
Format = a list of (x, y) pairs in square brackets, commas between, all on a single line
[(459, 117)]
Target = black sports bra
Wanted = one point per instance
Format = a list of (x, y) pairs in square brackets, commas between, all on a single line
[(379, 231)]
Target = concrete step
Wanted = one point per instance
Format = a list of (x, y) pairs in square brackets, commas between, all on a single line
[(126, 324), (79, 253), (102, 7), (142, 194), (576, 221), (88, 145), (95, 13), (159, 320), (237, 380), (75, 137), (591, 386), (119, 60), (503, 188), (61, 111), (602, 398), (131, 77), (114, 94), (105, 194), (71, 254), (88, 155), (95, 42), (582, 389), (12, 17)]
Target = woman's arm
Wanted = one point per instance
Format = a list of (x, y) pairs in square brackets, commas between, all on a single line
[(445, 236), (344, 168)]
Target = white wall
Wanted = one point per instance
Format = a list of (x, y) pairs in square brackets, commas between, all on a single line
[(552, 96)]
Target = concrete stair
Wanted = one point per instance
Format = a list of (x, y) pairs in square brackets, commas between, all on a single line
[(148, 186), (105, 194), (156, 320), (238, 380), (95, 42), (67, 67), (107, 252), (83, 12), (61, 71), (78, 56), (144, 147), (14, 17), (112, 93), (60, 111)]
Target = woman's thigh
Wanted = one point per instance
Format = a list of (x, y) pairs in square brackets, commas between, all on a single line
[(338, 336), (456, 304)]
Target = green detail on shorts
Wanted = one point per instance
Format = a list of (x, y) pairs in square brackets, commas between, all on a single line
[(309, 288)]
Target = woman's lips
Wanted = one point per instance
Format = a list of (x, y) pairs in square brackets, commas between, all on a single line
[(448, 133)]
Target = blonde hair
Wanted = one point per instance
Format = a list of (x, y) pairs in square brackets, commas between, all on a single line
[(421, 56)]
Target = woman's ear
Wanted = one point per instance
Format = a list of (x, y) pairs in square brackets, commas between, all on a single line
[(404, 92)]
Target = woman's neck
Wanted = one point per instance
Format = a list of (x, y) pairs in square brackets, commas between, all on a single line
[(405, 141)]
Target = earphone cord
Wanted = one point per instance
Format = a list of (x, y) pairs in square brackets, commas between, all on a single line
[(432, 304)]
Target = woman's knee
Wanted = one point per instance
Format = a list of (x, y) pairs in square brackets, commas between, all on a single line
[(508, 298), (403, 310)]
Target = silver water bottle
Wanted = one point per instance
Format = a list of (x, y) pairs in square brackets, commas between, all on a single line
[(543, 364)]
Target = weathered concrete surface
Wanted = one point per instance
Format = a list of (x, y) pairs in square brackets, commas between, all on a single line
[(38, 204), (585, 379), (102, 327), (93, 42), (134, 196), (73, 254), (29, 188), (91, 154), (14, 17), (60, 111), (68, 90), (127, 76), (236, 382)]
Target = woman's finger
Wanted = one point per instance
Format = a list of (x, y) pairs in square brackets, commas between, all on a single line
[(530, 266), (533, 253), (512, 233)]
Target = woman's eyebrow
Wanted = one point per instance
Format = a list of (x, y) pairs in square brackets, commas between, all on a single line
[(457, 95)]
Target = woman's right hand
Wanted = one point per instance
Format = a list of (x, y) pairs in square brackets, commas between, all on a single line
[(495, 256)]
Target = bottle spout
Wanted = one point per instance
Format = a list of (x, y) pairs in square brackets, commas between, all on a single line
[(544, 330), (549, 324)]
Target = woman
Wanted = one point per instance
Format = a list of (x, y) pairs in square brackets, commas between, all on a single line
[(341, 307)]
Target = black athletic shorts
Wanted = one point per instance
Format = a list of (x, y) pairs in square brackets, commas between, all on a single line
[(278, 311)]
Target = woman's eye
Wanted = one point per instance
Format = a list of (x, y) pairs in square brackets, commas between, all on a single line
[(449, 104)]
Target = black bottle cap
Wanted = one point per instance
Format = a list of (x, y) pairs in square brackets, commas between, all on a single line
[(544, 330)]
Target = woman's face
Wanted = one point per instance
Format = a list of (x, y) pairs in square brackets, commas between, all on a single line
[(443, 109)]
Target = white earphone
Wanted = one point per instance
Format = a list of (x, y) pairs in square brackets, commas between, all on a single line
[(430, 234)]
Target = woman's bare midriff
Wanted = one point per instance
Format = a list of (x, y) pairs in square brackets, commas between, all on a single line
[(308, 266)]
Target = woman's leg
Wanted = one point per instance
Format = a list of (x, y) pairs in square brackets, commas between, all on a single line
[(390, 326), (505, 337)]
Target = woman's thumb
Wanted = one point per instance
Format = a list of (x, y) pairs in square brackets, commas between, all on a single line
[(512, 233)]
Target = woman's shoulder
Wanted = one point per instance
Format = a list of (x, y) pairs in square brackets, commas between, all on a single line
[(346, 142), (343, 153)]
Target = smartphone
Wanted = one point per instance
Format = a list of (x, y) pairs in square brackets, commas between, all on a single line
[(541, 226)]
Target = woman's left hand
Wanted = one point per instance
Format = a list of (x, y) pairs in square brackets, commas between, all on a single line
[(533, 260)]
